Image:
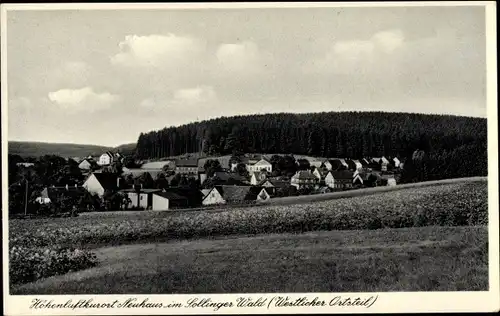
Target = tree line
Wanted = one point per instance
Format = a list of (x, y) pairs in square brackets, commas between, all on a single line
[(332, 134)]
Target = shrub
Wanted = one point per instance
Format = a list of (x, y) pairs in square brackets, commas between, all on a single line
[(28, 264)]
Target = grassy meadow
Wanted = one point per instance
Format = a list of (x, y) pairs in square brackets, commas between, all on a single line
[(415, 239)]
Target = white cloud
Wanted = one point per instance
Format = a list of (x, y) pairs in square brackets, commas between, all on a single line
[(156, 50), (359, 56), (243, 58), (84, 99), (200, 94)]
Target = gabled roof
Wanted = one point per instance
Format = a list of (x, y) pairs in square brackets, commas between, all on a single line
[(186, 163), (364, 162), (380, 160), (337, 160), (54, 192), (343, 174), (239, 193), (108, 153), (279, 183), (304, 175), (225, 176), (108, 180), (205, 192)]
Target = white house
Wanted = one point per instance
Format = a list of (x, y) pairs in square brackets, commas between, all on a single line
[(164, 201), (99, 183), (396, 162), (318, 173), (85, 164), (304, 179), (342, 179), (106, 159), (259, 165), (335, 164), (213, 197), (257, 177), (329, 180), (354, 164)]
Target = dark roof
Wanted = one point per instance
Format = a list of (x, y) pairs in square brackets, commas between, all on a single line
[(343, 174), (239, 193), (186, 163), (109, 180), (171, 195), (54, 192), (225, 176), (304, 175)]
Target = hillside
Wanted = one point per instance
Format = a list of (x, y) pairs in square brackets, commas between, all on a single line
[(36, 149), (332, 134)]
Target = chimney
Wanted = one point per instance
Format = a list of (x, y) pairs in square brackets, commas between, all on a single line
[(118, 182)]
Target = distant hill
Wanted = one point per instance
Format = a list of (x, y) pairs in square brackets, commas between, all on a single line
[(36, 149), (126, 149)]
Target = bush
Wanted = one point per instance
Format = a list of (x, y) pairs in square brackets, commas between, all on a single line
[(28, 264)]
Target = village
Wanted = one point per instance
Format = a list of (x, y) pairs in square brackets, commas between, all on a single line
[(222, 181)]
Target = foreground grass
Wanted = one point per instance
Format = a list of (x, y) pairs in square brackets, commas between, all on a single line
[(408, 259)]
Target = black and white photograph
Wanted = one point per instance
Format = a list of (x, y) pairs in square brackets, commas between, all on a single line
[(213, 150)]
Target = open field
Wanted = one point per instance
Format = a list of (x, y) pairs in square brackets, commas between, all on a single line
[(410, 259), (457, 204), (36, 242)]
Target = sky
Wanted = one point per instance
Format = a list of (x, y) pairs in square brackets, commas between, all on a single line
[(104, 76)]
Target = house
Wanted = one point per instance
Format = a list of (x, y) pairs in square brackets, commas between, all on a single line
[(343, 179), (241, 194), (87, 164), (106, 159), (50, 194), (139, 197), (335, 164), (99, 183), (354, 164), (380, 163), (137, 172), (164, 201), (213, 197), (319, 173), (262, 164), (186, 166), (364, 162), (396, 162), (303, 164), (304, 179), (204, 192), (257, 177), (254, 163), (273, 185), (193, 196)]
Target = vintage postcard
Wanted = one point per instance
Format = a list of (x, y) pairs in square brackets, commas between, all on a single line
[(249, 158)]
